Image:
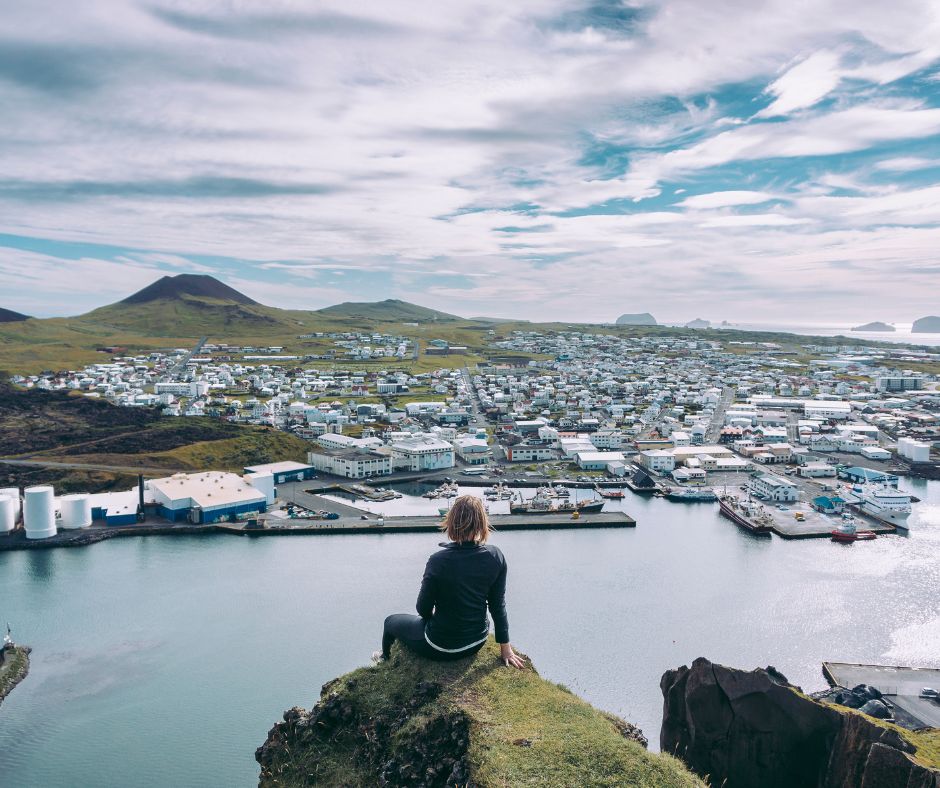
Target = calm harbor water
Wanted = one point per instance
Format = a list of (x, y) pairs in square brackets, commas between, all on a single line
[(164, 661)]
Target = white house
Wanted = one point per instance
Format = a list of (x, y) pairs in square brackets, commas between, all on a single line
[(774, 488), (658, 460), (422, 454)]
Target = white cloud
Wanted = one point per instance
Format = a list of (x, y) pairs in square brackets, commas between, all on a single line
[(804, 84), (906, 163), (723, 199), (397, 139), (753, 220)]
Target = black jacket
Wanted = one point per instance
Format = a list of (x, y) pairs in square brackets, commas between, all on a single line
[(459, 583)]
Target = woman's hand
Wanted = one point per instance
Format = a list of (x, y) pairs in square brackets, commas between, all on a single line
[(510, 657)]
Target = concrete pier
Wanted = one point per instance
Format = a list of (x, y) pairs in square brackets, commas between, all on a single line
[(901, 685), (815, 524)]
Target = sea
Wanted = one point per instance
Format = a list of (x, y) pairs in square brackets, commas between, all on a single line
[(164, 661), (901, 335)]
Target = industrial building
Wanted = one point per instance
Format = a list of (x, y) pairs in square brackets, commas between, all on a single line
[(859, 475), (283, 472), (523, 453), (597, 460), (473, 451), (209, 497)]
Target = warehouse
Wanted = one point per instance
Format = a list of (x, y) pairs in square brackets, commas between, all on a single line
[(597, 460), (284, 472), (209, 497)]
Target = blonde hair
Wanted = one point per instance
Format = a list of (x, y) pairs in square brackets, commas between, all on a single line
[(466, 520)]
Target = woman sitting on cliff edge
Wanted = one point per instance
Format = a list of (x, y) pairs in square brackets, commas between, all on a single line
[(460, 582)]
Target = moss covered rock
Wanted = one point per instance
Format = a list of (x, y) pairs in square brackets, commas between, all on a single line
[(474, 722)]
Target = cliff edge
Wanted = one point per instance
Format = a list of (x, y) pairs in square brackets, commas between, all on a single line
[(474, 722), (746, 729)]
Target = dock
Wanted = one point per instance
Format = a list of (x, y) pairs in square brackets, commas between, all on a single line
[(272, 526), (901, 686), (815, 525), (419, 524)]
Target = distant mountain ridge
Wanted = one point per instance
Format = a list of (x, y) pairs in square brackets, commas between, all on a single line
[(9, 316), (198, 285), (391, 310)]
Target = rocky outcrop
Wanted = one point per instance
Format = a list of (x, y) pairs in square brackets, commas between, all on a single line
[(698, 323), (472, 722), (749, 729), (14, 666), (926, 325), (638, 319)]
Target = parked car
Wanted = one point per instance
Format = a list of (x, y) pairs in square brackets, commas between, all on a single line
[(930, 692)]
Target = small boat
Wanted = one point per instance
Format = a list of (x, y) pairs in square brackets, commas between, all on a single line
[(848, 532), (604, 493), (541, 503)]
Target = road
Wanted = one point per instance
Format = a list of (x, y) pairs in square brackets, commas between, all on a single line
[(476, 419), (172, 374), (88, 466), (718, 419)]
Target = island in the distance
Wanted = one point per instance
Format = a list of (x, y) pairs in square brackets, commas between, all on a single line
[(926, 325), (698, 323), (875, 326), (641, 319)]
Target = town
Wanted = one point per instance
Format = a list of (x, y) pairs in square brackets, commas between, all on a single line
[(820, 429)]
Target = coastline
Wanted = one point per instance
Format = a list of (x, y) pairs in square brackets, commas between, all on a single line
[(13, 669), (300, 527)]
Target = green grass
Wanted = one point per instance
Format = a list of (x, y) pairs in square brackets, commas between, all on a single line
[(523, 730), (13, 669)]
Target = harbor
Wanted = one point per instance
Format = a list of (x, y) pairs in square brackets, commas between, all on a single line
[(794, 521), (901, 686)]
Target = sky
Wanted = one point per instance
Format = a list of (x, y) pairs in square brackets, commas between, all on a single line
[(763, 161)]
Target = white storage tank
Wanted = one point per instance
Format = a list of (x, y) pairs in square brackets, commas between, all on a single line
[(919, 452), (14, 493), (75, 510), (39, 512), (904, 447), (7, 514)]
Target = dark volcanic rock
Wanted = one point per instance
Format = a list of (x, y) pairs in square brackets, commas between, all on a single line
[(199, 285), (750, 729), (9, 316)]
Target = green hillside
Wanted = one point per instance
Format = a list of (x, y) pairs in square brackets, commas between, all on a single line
[(389, 311)]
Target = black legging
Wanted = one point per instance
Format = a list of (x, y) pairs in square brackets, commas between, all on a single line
[(409, 631)]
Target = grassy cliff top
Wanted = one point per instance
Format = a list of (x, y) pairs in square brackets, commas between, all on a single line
[(412, 722)]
